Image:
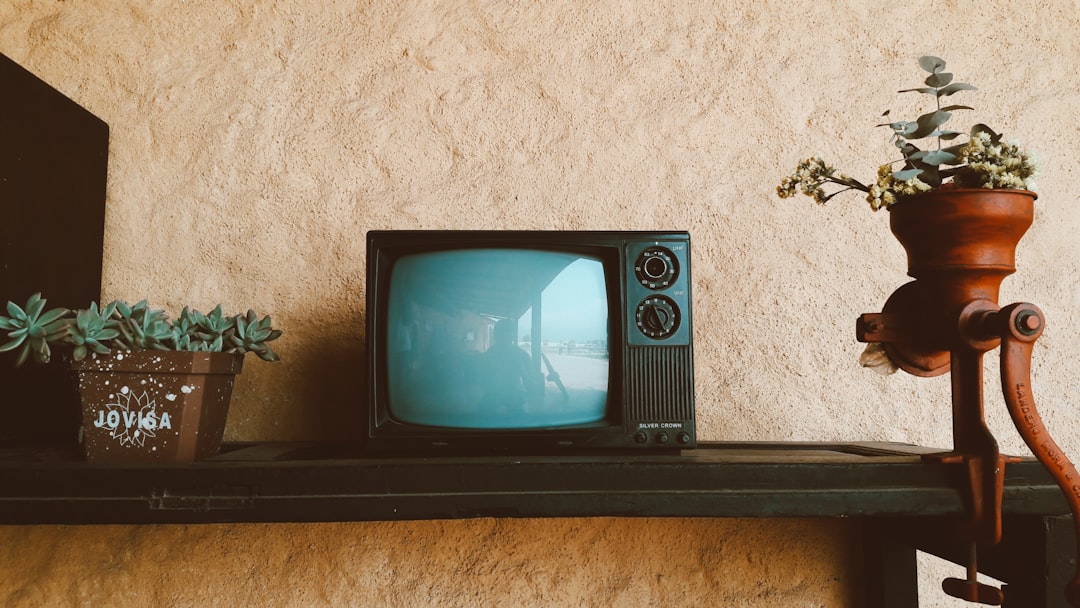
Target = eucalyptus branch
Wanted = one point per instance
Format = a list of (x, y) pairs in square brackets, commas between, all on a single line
[(981, 161)]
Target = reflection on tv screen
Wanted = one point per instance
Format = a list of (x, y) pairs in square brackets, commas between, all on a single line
[(497, 339)]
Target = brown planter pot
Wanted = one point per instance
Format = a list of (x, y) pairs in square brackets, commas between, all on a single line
[(960, 245), (963, 241), (154, 406)]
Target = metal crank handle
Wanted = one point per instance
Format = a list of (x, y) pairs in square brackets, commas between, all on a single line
[(1019, 325)]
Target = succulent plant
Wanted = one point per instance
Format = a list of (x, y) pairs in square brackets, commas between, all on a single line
[(120, 326), (252, 334), (31, 329), (141, 328), (186, 334), (214, 327), (92, 330)]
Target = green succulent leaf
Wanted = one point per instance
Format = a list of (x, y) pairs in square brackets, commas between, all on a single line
[(34, 306), (23, 355), (15, 312), (12, 344), (31, 330)]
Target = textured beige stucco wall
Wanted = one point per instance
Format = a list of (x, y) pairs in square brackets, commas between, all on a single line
[(253, 144)]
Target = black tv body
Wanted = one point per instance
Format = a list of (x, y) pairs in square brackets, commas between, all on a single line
[(529, 341)]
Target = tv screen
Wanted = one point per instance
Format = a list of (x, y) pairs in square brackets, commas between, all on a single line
[(529, 341), (498, 338)]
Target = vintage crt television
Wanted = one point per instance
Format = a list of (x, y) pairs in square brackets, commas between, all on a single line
[(529, 341)]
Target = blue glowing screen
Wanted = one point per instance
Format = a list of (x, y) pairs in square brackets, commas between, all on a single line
[(498, 339)]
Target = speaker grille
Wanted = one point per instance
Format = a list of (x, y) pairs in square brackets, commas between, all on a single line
[(660, 383)]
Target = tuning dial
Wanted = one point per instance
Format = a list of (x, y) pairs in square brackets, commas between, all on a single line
[(658, 317), (656, 268)]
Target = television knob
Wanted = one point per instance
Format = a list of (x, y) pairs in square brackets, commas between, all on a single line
[(640, 437), (684, 438), (658, 317), (661, 437), (656, 268)]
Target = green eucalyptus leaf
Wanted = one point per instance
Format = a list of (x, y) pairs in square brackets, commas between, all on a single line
[(931, 64), (954, 88), (907, 174), (939, 157), (946, 135), (927, 90), (938, 79), (901, 126), (981, 128), (928, 123), (931, 176), (954, 107), (907, 148)]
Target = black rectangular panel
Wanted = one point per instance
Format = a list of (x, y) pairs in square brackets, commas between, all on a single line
[(53, 159)]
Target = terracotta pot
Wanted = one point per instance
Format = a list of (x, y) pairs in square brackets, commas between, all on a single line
[(154, 406), (960, 245), (963, 240)]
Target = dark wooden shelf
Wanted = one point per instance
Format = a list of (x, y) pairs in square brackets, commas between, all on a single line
[(290, 482), (902, 503)]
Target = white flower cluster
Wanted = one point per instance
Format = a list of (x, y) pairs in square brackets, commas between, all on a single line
[(992, 164), (983, 162), (809, 177), (888, 189)]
